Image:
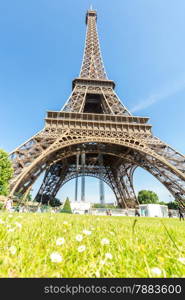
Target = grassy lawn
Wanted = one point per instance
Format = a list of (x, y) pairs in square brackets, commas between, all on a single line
[(61, 245)]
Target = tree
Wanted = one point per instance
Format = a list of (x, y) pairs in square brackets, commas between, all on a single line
[(67, 207), (6, 172), (146, 197), (19, 197), (173, 205), (99, 205), (29, 197), (162, 203), (55, 202)]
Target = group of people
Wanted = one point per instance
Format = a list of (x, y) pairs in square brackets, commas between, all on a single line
[(8, 204), (109, 212), (9, 207)]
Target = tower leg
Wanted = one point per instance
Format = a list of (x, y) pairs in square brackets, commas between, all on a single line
[(52, 182), (76, 182), (102, 193), (122, 184), (83, 176), (125, 175), (101, 183)]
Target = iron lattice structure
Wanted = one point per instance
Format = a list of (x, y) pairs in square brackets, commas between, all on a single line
[(95, 135)]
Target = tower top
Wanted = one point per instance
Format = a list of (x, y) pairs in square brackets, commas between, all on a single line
[(92, 64), (91, 13)]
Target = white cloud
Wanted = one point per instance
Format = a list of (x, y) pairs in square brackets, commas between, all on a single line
[(165, 92)]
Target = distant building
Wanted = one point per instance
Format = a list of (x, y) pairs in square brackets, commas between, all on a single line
[(153, 210)]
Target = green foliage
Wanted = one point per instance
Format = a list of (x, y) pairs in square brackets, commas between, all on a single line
[(162, 203), (55, 202), (18, 196), (6, 172), (1, 205), (173, 205), (99, 205), (29, 197), (67, 207), (145, 197)]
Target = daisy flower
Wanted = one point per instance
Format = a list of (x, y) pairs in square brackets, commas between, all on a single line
[(11, 230), (18, 225), (81, 248), (60, 241), (79, 237), (56, 257), (108, 255), (87, 232), (105, 241), (13, 250), (156, 271), (182, 260)]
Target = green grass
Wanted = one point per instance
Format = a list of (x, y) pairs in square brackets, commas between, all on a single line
[(137, 246)]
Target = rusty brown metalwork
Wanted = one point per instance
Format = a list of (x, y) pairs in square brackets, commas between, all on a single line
[(95, 121)]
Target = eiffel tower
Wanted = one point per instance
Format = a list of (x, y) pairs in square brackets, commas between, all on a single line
[(95, 135)]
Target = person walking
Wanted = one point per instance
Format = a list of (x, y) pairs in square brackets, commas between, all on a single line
[(110, 212), (137, 214), (181, 216), (8, 204), (169, 214)]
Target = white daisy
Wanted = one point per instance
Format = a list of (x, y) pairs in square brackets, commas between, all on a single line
[(11, 230), (105, 241), (13, 250), (81, 248), (156, 271), (79, 237), (182, 260), (18, 225), (60, 241), (87, 232), (56, 257), (108, 255), (97, 274)]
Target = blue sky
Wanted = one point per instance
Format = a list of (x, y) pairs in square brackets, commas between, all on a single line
[(143, 47)]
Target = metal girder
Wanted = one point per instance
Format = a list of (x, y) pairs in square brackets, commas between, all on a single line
[(52, 182), (92, 65), (120, 182)]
